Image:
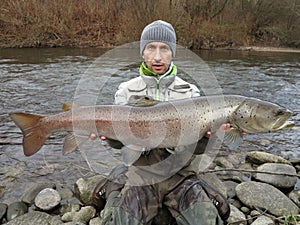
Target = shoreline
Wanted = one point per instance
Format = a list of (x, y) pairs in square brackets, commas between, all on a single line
[(268, 49), (241, 48)]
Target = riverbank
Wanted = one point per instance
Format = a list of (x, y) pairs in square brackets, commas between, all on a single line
[(257, 193), (198, 24), (268, 49)]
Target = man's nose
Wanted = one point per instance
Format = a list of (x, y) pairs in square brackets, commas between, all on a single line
[(157, 56)]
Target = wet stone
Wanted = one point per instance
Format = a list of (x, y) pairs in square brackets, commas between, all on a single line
[(3, 208), (35, 218), (267, 197), (263, 220), (279, 181), (16, 209), (236, 215), (295, 197), (29, 196), (258, 157), (84, 188), (47, 199), (230, 187), (74, 223), (83, 215), (71, 207), (95, 221)]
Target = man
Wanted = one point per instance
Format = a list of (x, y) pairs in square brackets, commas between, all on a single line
[(183, 195)]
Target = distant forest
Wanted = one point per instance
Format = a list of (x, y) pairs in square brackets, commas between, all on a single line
[(199, 24)]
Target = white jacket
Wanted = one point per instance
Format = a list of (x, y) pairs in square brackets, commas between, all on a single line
[(165, 88)]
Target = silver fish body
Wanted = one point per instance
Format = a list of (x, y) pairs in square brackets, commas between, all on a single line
[(163, 125)]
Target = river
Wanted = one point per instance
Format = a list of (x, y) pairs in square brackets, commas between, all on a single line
[(41, 80)]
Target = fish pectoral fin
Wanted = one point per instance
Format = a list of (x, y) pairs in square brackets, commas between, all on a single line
[(141, 101), (71, 143), (131, 153), (233, 138)]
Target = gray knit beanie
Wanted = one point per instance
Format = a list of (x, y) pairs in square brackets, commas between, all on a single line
[(158, 31)]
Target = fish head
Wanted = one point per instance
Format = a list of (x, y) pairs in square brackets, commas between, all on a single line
[(257, 116)]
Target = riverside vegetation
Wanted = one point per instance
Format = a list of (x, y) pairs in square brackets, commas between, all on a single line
[(200, 24)]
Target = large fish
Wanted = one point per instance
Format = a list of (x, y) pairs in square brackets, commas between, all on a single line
[(163, 124)]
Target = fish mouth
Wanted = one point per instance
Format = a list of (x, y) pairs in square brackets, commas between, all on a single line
[(284, 122), (284, 125)]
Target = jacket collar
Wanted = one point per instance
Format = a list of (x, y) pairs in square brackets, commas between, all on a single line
[(152, 80)]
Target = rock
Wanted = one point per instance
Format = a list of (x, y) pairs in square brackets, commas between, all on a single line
[(258, 157), (230, 188), (71, 207), (279, 181), (29, 196), (16, 209), (255, 213), (236, 216), (223, 162), (264, 196), (295, 197), (83, 215), (263, 220), (3, 208), (213, 181), (245, 209), (47, 199), (74, 223), (295, 161), (67, 217), (66, 193), (2, 190), (34, 218), (96, 221), (84, 188)]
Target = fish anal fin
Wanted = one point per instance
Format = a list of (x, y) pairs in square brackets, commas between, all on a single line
[(233, 138), (72, 142), (33, 136)]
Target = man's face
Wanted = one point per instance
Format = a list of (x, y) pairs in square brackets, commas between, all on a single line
[(158, 57)]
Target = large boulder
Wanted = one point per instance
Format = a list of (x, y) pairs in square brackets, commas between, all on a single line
[(279, 181), (265, 196)]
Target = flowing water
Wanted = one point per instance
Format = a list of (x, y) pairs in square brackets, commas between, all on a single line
[(41, 80)]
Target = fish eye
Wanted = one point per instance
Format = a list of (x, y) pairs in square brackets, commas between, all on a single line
[(280, 112)]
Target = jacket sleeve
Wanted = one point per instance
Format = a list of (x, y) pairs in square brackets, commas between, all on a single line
[(120, 96)]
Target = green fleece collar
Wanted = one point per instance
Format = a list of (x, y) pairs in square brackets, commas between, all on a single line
[(144, 70)]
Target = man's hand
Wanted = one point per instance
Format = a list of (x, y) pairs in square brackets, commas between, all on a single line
[(94, 136)]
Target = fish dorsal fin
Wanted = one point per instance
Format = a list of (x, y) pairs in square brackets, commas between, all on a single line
[(67, 106), (233, 138), (141, 101)]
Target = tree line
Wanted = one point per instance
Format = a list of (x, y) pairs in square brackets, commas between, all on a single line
[(199, 24)]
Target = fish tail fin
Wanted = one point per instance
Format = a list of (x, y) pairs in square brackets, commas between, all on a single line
[(33, 136)]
